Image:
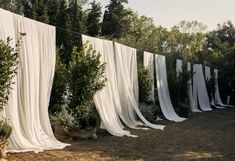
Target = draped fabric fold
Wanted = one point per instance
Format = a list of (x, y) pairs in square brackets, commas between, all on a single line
[(127, 77), (107, 100), (179, 65), (149, 63), (208, 77), (199, 88), (27, 108), (217, 93), (163, 90), (192, 93)]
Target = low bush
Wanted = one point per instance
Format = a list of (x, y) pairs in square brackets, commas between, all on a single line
[(145, 83), (85, 75)]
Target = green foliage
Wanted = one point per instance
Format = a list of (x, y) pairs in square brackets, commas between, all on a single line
[(145, 83), (9, 59), (87, 76), (59, 88), (93, 19), (8, 69), (5, 130), (115, 21), (78, 83), (178, 86), (210, 85), (64, 119), (148, 111), (220, 53)]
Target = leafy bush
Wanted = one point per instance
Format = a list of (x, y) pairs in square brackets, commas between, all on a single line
[(8, 69), (178, 88), (84, 76), (148, 111), (9, 59), (210, 85), (87, 76), (60, 85), (5, 130), (64, 119), (145, 83)]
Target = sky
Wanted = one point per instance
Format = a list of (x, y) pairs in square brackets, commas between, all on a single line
[(168, 13)]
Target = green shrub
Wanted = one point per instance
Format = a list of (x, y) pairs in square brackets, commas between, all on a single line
[(5, 130), (210, 85), (148, 111), (9, 59), (84, 76), (145, 83), (178, 88), (87, 76), (59, 88), (65, 118), (8, 68)]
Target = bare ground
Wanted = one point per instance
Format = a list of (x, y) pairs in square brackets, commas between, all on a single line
[(207, 136)]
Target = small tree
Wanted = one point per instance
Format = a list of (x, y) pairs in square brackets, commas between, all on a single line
[(93, 19), (87, 76), (8, 69), (145, 83)]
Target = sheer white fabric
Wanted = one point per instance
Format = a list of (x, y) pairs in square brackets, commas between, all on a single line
[(208, 77), (149, 63), (107, 100), (217, 93), (127, 76), (27, 108), (163, 90), (199, 88), (179, 65), (192, 93)]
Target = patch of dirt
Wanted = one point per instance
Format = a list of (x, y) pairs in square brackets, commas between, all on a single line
[(207, 136)]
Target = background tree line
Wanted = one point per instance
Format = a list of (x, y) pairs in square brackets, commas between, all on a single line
[(189, 41)]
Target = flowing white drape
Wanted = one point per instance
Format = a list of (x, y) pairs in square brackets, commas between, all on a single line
[(27, 108), (149, 64), (199, 88), (217, 93), (192, 93), (163, 90), (179, 65), (127, 76), (208, 77), (107, 100)]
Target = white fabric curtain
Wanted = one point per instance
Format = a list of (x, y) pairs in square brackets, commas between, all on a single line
[(179, 65), (208, 77), (149, 63), (199, 88), (107, 100), (192, 93), (163, 90), (127, 76), (217, 93), (29, 99)]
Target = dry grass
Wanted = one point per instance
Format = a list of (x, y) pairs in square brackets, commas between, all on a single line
[(207, 136)]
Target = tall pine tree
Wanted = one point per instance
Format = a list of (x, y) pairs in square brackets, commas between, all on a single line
[(115, 21), (64, 34), (93, 19), (53, 11)]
